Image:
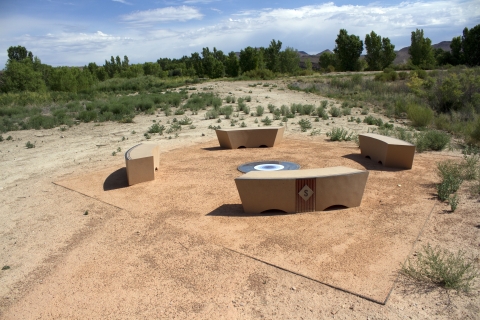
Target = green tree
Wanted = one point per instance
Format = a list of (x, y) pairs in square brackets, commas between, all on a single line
[(471, 45), (272, 55), (373, 45), (456, 51), (388, 53), (289, 61), (421, 52), (348, 49), (248, 59), (327, 59), (152, 69), (18, 53), (231, 65), (20, 76)]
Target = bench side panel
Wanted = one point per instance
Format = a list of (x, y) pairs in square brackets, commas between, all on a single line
[(344, 190), (140, 170), (399, 156), (373, 148), (267, 194)]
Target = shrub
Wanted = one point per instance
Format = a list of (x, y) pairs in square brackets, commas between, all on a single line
[(307, 109), (156, 128), (305, 124), (335, 112), (453, 201), (185, 121), (226, 110), (419, 115), (451, 174), (271, 108), (340, 134), (260, 111), (442, 268), (211, 114), (432, 140), (29, 145), (266, 121)]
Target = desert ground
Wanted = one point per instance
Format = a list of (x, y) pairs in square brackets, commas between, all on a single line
[(180, 246)]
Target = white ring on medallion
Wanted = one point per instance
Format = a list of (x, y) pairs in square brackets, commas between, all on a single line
[(268, 167)]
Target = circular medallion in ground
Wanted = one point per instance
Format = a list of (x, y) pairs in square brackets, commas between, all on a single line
[(268, 165)]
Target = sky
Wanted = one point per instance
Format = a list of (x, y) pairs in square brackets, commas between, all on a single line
[(75, 33)]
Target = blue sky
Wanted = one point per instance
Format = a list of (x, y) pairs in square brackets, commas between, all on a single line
[(74, 33)]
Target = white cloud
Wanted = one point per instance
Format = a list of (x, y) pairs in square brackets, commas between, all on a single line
[(168, 14), (308, 28), (122, 1)]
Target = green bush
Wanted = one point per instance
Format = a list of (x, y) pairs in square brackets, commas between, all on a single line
[(186, 121), (335, 112), (340, 134), (266, 121), (452, 177), (419, 115), (156, 128), (260, 111), (211, 114), (305, 124), (442, 268), (29, 145), (432, 140), (226, 111)]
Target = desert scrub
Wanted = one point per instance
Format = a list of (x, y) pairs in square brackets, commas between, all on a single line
[(340, 134), (29, 145), (211, 114), (305, 124), (441, 268), (227, 111), (156, 128), (453, 201), (420, 116), (335, 112), (260, 111), (266, 121), (185, 121), (431, 140), (451, 175)]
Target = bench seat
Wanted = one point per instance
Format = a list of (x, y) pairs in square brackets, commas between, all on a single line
[(389, 151), (141, 161), (235, 138), (305, 190)]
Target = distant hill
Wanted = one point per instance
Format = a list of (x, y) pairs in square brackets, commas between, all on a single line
[(402, 54)]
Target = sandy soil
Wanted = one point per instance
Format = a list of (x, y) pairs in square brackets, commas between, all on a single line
[(195, 255)]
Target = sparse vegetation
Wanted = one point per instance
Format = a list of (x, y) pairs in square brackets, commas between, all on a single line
[(441, 268), (340, 134), (305, 124)]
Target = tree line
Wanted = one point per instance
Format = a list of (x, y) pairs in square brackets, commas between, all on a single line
[(26, 72)]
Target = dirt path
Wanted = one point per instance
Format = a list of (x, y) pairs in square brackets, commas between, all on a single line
[(117, 263)]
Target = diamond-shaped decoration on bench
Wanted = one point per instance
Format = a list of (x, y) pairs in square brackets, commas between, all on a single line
[(305, 193)]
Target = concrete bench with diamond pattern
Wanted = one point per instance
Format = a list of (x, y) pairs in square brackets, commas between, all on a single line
[(388, 151), (304, 190), (234, 138), (141, 161)]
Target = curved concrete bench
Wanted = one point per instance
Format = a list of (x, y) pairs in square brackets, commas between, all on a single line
[(249, 137), (389, 151), (141, 161), (306, 190)]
